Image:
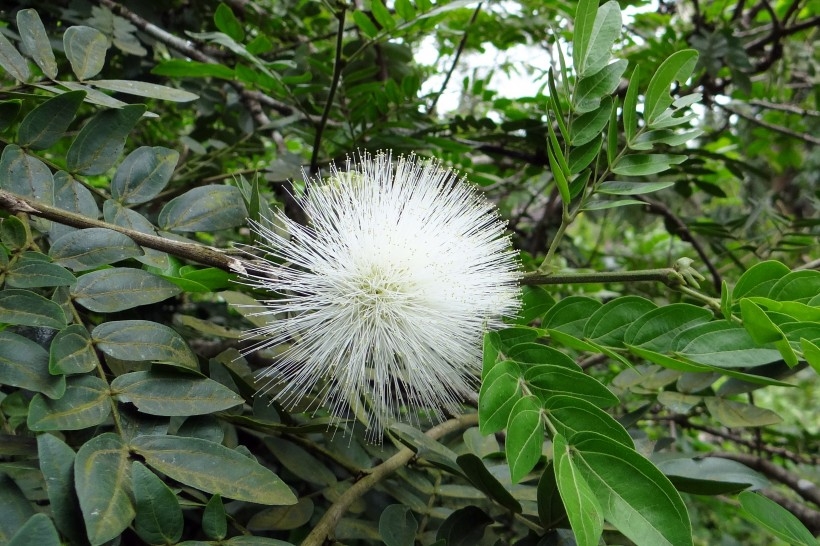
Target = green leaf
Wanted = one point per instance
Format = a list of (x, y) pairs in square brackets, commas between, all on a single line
[(525, 437), (590, 125), (426, 448), (590, 90), (36, 42), (734, 414), (115, 213), (57, 466), (159, 516), (559, 173), (800, 286), (120, 288), (102, 478), (86, 403), (182, 68), (634, 495), (13, 234), (580, 157), (585, 18), (709, 475), (630, 109), (365, 24), (205, 208), (136, 340), (811, 352), (632, 188), (193, 461), (12, 62), (71, 196), (547, 380), (100, 142), (605, 30), (657, 329), (24, 364), (25, 308), (677, 67), (645, 164), (26, 175), (85, 48), (34, 270), (779, 521), (551, 510), (145, 89), (37, 530), (71, 351), (9, 110), (398, 526), (483, 480), (300, 462), (570, 414), (570, 315), (536, 353), (214, 522), (464, 527), (608, 324), (92, 247), (601, 205), (16, 508), (159, 393), (763, 330), (47, 123), (405, 10), (500, 390), (143, 174), (724, 345), (582, 507), (226, 21), (759, 279), (382, 14)]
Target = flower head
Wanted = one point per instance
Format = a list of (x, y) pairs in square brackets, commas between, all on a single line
[(383, 298)]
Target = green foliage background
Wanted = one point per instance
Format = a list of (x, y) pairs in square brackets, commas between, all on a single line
[(658, 386)]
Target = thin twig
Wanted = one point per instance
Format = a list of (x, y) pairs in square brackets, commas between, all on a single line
[(326, 525), (784, 108), (772, 127), (338, 64)]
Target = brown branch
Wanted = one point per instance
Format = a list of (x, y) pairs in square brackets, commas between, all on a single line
[(809, 491), (772, 127), (324, 529), (785, 108), (202, 254)]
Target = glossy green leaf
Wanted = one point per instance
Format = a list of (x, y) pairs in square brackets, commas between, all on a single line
[(37, 530), (117, 289), (227, 22), (26, 175), (645, 164), (581, 157), (405, 9), (365, 24), (602, 205), (614, 187), (426, 448), (205, 208), (193, 461), (762, 330), (608, 324), (605, 30), (500, 390), (382, 14), (34, 270), (102, 478), (143, 340), (710, 475), (779, 521), (525, 437), (183, 68), (723, 345), (547, 380), (25, 308), (677, 67), (800, 286), (85, 48), (72, 352), (214, 521), (100, 142), (24, 364), (735, 414), (582, 507), (535, 301), (811, 352), (536, 353), (12, 62), (571, 314), (585, 17), (759, 279), (89, 248), (398, 526), (57, 466), (795, 309), (86, 403), (570, 414), (634, 495), (300, 462), (630, 109), (483, 480), (143, 174), (145, 89), (657, 329), (590, 90), (158, 393), (36, 42), (464, 527), (47, 123), (158, 514), (590, 125), (551, 510)]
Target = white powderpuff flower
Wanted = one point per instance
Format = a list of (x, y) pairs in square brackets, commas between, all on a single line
[(384, 297)]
